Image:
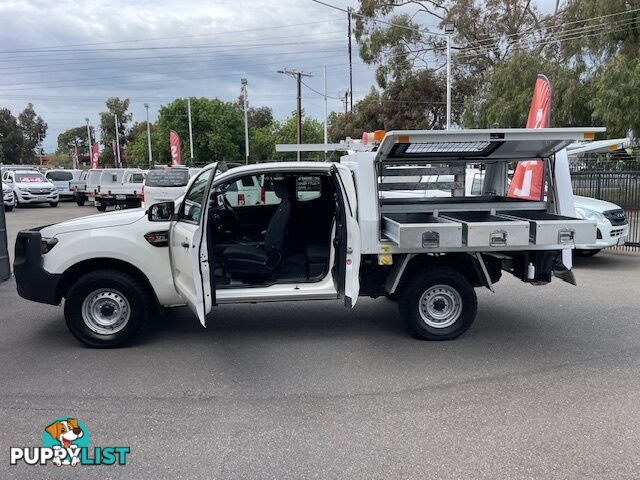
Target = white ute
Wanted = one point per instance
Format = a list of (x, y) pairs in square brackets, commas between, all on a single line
[(331, 232)]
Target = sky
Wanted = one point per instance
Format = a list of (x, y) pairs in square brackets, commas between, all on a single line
[(68, 56)]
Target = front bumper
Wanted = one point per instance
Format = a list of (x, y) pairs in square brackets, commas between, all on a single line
[(8, 199), (608, 236), (27, 197), (32, 280)]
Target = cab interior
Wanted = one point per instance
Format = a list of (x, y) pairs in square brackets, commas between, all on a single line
[(279, 233)]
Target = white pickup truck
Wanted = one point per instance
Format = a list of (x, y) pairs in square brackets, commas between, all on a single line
[(119, 187), (331, 232)]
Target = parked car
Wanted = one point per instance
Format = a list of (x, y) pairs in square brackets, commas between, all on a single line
[(30, 186), (62, 179), (119, 187), (8, 197), (78, 188), (613, 226), (166, 184), (92, 183)]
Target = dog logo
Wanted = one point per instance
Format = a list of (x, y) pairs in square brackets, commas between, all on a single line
[(66, 432)]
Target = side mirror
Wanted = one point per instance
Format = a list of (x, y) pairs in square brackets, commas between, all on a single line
[(161, 212)]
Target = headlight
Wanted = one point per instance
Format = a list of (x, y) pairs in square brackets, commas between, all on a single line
[(47, 244), (592, 215), (23, 189)]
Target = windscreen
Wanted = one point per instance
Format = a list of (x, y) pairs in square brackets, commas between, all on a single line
[(172, 177), (30, 177), (94, 177), (60, 176)]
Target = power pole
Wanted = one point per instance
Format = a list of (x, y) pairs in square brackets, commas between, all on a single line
[(146, 106), (346, 101), (449, 29), (245, 108), (298, 76), (89, 144), (190, 128), (350, 59)]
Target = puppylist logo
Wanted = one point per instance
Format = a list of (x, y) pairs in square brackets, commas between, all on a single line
[(65, 441)]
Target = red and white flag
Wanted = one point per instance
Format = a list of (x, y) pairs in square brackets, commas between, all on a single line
[(528, 178), (174, 143), (95, 152)]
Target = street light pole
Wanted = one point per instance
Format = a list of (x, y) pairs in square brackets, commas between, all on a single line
[(89, 144), (245, 108), (146, 106), (118, 161), (298, 77)]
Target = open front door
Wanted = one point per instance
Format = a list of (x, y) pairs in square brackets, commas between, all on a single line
[(188, 246), (346, 267)]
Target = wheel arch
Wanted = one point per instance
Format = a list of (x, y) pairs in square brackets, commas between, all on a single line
[(77, 270), (465, 264)]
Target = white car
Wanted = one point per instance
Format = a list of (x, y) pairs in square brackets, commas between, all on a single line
[(613, 227), (61, 178), (166, 184), (30, 186), (8, 197)]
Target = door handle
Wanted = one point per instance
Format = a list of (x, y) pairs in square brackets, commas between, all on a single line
[(185, 244)]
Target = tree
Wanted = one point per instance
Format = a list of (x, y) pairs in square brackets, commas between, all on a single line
[(11, 139), (34, 130), (312, 132), (73, 138), (115, 106)]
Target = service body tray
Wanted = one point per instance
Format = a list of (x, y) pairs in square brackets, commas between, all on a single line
[(422, 230), (481, 229), (550, 229)]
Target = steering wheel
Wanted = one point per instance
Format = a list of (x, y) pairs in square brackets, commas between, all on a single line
[(225, 220)]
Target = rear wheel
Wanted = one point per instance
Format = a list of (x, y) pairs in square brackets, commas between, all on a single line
[(587, 253), (107, 308), (438, 305), (101, 207), (80, 200)]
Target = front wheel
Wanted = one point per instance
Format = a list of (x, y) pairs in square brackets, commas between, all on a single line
[(80, 200), (438, 305), (587, 253), (107, 308), (8, 208), (53, 204), (101, 207)]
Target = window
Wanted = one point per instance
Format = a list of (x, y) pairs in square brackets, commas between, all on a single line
[(60, 176), (308, 188), (192, 205), (171, 177), (476, 186), (136, 178), (248, 181), (30, 177)]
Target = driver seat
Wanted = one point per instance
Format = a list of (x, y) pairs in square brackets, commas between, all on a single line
[(255, 262)]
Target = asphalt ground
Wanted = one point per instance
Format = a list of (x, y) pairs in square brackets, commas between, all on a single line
[(546, 384)]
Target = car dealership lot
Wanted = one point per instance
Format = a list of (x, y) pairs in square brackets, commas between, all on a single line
[(543, 385)]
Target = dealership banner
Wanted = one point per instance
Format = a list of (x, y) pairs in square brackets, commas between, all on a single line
[(95, 152), (174, 142), (528, 178)]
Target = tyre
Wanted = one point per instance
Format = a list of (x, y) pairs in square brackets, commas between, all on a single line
[(587, 253), (107, 308), (53, 204), (80, 200), (8, 208), (101, 207), (438, 305)]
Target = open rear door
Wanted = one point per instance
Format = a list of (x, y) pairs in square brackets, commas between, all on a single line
[(346, 268)]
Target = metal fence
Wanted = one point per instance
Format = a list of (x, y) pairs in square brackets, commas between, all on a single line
[(616, 180)]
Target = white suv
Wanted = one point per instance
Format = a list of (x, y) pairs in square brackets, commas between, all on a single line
[(30, 186)]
